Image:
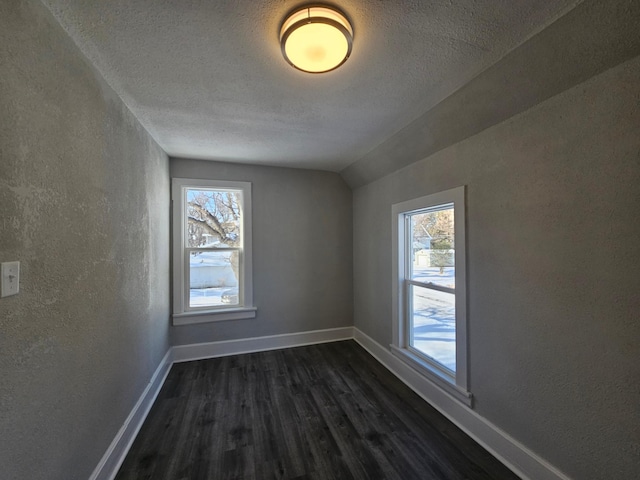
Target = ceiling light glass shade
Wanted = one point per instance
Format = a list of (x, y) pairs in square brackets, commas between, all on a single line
[(316, 39)]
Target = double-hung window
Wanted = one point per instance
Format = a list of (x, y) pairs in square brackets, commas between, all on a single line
[(430, 320), (211, 251)]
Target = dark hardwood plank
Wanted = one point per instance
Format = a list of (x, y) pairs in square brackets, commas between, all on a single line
[(322, 412)]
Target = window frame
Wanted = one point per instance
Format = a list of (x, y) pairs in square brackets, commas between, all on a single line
[(457, 384), (183, 314)]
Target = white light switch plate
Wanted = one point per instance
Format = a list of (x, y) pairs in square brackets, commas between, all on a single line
[(10, 278)]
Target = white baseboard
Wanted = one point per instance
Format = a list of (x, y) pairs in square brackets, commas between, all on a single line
[(108, 466), (198, 351), (111, 461), (522, 461), (510, 452)]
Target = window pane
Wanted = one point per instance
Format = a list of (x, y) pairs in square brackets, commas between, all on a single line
[(432, 247), (213, 279), (433, 324), (214, 218)]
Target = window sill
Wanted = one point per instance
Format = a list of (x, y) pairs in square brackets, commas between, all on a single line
[(207, 316), (433, 375)]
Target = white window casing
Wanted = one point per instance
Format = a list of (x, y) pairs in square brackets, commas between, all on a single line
[(183, 313), (455, 383)]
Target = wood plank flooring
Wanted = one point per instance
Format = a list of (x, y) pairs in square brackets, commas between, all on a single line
[(323, 412)]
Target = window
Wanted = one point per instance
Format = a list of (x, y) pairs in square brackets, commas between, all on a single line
[(211, 251), (430, 288)]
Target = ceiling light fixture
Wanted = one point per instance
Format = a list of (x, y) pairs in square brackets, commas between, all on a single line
[(316, 39)]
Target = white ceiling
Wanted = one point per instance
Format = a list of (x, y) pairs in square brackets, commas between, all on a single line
[(207, 80)]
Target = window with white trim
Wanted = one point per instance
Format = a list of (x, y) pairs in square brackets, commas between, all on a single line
[(430, 314), (211, 251)]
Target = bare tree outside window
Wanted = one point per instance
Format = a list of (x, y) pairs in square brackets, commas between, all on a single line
[(214, 218), (214, 235), (431, 288), (438, 230)]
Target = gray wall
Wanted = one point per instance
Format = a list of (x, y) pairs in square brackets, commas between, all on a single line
[(302, 251), (553, 234), (586, 41), (84, 206), (553, 196)]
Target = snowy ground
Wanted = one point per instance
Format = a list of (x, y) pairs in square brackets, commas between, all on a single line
[(213, 297), (212, 268), (433, 329), (432, 274)]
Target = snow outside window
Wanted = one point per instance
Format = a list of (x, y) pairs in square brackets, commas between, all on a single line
[(211, 251), (430, 320)]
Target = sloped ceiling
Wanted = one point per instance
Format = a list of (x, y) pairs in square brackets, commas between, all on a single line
[(207, 80)]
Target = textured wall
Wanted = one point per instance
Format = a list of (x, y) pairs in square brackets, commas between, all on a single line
[(588, 40), (84, 202), (553, 254), (302, 251)]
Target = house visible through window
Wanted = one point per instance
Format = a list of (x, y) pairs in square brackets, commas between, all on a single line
[(212, 250), (431, 285), (429, 288)]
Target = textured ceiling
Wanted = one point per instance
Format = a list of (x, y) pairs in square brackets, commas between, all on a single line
[(207, 80)]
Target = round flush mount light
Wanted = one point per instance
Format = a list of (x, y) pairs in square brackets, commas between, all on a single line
[(316, 39)]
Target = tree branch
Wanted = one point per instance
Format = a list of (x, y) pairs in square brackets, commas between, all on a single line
[(211, 223)]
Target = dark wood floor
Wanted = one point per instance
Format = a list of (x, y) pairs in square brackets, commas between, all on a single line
[(323, 412)]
